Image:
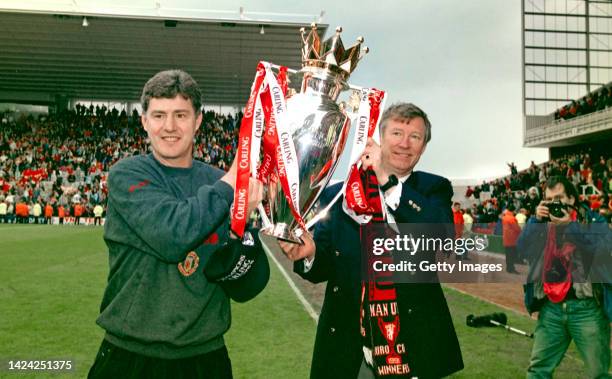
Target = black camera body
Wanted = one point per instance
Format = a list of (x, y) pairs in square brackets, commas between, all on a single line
[(556, 208)]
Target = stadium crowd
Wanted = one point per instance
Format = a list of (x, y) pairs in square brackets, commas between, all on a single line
[(593, 102), (56, 165), (522, 191)]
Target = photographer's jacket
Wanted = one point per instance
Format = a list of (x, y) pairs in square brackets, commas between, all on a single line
[(162, 226), (591, 270)]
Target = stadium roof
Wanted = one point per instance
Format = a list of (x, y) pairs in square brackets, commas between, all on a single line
[(45, 53)]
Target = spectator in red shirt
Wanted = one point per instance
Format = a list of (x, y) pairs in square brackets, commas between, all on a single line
[(596, 202), (458, 220), (22, 212), (469, 192), (61, 213), (78, 212), (48, 213), (511, 231)]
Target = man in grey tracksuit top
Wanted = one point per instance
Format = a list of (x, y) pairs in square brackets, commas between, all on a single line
[(164, 311)]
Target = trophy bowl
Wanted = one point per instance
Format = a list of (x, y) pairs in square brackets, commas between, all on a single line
[(316, 124)]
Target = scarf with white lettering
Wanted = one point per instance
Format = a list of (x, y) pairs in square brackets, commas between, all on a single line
[(379, 312)]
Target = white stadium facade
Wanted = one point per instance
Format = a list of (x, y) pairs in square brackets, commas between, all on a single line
[(567, 56)]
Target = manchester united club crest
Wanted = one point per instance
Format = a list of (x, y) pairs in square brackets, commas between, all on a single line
[(391, 330), (190, 264)]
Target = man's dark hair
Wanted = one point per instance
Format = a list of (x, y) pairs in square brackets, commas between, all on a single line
[(405, 112), (167, 84), (568, 187)]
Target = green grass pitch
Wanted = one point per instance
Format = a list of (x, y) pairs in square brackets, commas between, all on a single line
[(52, 279)]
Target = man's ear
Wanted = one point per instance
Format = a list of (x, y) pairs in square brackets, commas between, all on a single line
[(198, 121), (143, 121)]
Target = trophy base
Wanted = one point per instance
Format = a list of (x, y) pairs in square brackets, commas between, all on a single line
[(282, 232)]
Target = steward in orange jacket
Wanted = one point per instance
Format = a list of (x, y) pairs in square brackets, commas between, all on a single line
[(511, 232), (48, 213), (22, 212), (61, 213), (511, 229)]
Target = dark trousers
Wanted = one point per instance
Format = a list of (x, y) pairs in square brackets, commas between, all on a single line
[(511, 258), (115, 362)]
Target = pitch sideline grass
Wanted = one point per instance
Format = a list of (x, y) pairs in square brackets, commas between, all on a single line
[(52, 280), (494, 352)]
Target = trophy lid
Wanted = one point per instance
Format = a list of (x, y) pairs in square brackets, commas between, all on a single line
[(330, 54)]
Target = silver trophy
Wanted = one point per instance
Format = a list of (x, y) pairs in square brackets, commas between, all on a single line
[(317, 125)]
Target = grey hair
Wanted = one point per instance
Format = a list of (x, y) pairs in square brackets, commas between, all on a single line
[(168, 84), (405, 112)]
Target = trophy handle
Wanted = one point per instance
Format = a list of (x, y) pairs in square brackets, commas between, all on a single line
[(265, 221), (323, 213)]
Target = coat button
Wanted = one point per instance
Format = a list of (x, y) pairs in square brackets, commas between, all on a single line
[(337, 253), (409, 310), (332, 330), (336, 288)]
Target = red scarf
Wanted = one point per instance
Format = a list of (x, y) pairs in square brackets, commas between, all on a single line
[(379, 307), (557, 274)]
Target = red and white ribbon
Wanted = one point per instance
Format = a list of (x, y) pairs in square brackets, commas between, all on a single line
[(287, 163), (356, 203), (362, 124), (266, 105), (257, 134), (243, 153), (367, 121)]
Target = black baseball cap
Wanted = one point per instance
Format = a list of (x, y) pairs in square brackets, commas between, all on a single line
[(240, 267)]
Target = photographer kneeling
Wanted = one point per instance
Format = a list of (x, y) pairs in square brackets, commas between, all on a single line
[(562, 248)]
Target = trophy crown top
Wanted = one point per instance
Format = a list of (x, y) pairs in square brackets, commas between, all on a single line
[(331, 52)]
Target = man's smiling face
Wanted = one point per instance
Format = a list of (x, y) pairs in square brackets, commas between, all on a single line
[(402, 144), (171, 125)]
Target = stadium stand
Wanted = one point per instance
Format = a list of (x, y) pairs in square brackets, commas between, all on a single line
[(595, 101), (524, 189), (59, 162)]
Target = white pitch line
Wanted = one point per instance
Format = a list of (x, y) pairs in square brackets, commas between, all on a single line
[(315, 316), (309, 309), (488, 301)]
